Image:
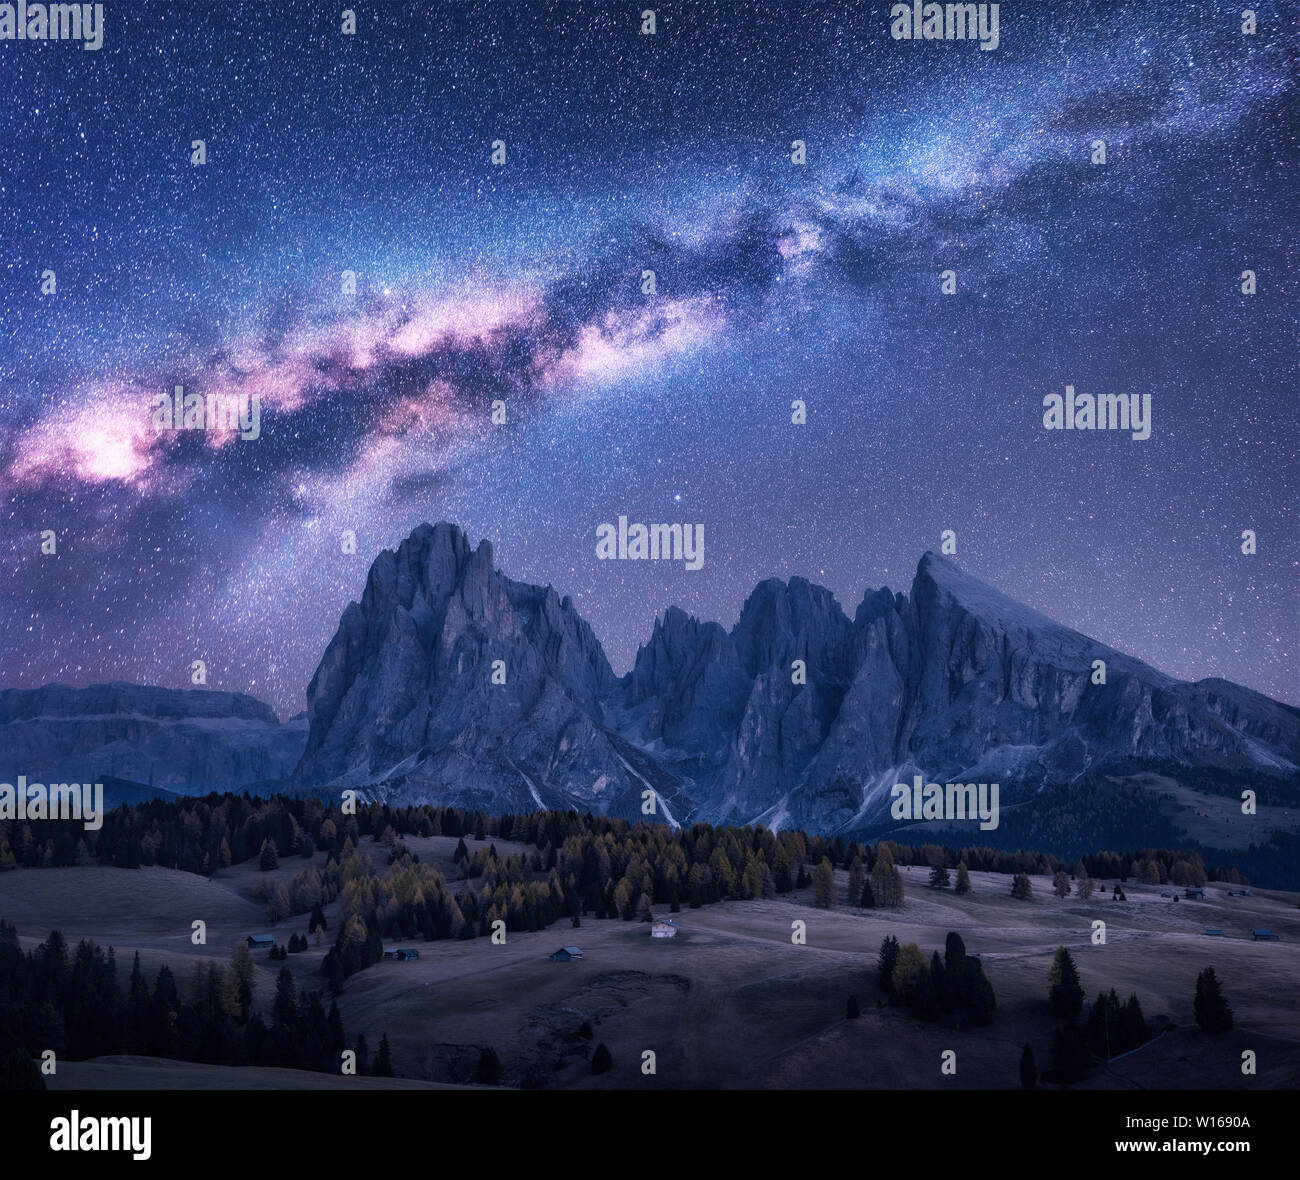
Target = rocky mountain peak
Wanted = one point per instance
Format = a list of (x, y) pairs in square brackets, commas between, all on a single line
[(953, 679)]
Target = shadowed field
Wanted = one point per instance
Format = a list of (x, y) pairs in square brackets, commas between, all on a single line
[(731, 1002)]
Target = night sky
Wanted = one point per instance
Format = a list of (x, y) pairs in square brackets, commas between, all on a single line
[(671, 152)]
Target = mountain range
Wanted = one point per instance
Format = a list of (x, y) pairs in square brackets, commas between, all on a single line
[(186, 742), (450, 683)]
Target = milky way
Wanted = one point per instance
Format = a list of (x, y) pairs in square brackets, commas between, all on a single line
[(522, 283)]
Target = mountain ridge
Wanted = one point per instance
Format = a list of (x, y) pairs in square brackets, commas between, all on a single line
[(953, 679), (448, 682), (186, 740)]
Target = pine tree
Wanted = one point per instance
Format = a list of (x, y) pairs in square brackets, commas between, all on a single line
[(285, 1006), (240, 983), (623, 900), (1028, 1069), (383, 1059), (939, 878), (954, 961), (601, 1061), (1102, 1032), (924, 996), (1069, 1055), (270, 857), (781, 876), (857, 879), (963, 879), (938, 984), (954, 954), (1061, 884), (908, 972), (373, 950), (139, 989), (938, 974), (824, 885), (1211, 1008), (1021, 890), (976, 993), (333, 969), (888, 961), (852, 1011), (886, 880), (1064, 988), (277, 903), (1134, 1024), (868, 897), (334, 1021)]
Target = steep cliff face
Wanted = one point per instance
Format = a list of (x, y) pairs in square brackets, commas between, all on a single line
[(450, 683), (959, 682), (408, 701), (191, 741), (798, 715), (687, 689), (798, 650), (998, 674)]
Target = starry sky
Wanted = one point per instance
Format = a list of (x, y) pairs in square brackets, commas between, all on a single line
[(775, 282)]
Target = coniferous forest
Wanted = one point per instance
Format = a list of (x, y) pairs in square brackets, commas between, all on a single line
[(71, 1001), (577, 866)]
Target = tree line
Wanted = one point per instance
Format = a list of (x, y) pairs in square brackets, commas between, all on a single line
[(1111, 1028), (70, 1001), (953, 989), (206, 834)]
